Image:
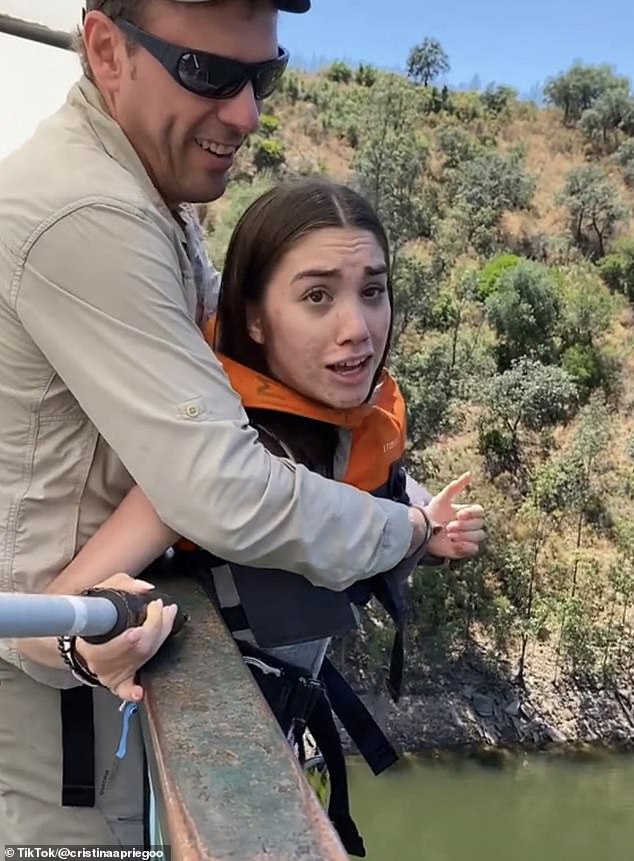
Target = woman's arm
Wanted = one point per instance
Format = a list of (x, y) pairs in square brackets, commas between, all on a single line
[(131, 538)]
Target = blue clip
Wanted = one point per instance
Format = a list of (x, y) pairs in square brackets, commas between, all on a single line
[(128, 709)]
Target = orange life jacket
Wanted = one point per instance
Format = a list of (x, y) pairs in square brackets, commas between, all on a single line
[(379, 428)]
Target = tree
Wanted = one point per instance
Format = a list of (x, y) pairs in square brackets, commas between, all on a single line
[(617, 269), (339, 72), (577, 90), (415, 290), (611, 116), (594, 207), (456, 145), (482, 190), (624, 157), (366, 75), (427, 61), (529, 396), (498, 97), (391, 165), (524, 310), (427, 386), (586, 307)]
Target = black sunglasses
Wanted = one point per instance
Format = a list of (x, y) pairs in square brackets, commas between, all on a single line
[(209, 75)]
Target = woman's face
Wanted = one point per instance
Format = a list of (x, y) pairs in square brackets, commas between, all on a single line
[(325, 316)]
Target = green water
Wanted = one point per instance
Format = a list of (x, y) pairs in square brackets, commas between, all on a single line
[(533, 808)]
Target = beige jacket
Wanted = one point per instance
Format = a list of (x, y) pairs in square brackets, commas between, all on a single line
[(105, 380)]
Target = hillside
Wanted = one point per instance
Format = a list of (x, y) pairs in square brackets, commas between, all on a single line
[(513, 269)]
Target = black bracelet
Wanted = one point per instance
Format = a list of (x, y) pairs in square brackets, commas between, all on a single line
[(430, 529), (67, 648)]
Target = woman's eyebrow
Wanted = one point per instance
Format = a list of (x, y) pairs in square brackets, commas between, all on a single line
[(380, 269), (316, 273)]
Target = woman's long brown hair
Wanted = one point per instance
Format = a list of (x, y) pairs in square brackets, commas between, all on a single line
[(264, 234)]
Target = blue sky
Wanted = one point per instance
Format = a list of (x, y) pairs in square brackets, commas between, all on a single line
[(517, 43), (504, 41)]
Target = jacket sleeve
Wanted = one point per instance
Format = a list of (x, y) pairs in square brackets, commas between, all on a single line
[(101, 294)]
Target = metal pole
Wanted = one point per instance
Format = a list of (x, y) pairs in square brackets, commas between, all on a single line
[(35, 32), (23, 615)]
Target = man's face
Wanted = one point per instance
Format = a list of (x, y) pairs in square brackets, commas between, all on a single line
[(187, 142)]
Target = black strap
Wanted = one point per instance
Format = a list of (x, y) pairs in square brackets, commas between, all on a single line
[(359, 723), (397, 661), (78, 747), (323, 729), (298, 701)]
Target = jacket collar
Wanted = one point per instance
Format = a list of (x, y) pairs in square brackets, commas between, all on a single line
[(85, 97)]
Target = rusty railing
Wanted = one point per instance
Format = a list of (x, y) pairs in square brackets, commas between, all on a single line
[(225, 782)]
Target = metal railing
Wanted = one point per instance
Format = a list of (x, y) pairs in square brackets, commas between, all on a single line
[(225, 782), (35, 32)]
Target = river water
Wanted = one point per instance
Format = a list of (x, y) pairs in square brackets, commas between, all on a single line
[(533, 807)]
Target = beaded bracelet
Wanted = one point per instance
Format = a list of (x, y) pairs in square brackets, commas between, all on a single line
[(67, 648)]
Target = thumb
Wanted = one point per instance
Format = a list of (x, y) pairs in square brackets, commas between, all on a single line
[(454, 488)]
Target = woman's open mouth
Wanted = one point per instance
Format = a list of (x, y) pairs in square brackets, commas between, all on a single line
[(351, 369)]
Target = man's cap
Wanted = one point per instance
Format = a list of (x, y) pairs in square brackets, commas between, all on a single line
[(282, 5)]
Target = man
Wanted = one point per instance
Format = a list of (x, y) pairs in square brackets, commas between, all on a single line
[(105, 379)]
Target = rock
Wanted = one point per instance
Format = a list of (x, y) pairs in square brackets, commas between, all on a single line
[(467, 692), (554, 735), (528, 711), (483, 705), (513, 708)]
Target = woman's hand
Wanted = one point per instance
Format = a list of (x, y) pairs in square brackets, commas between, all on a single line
[(462, 526), (116, 663)]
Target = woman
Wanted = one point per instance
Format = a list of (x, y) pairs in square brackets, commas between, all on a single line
[(303, 329)]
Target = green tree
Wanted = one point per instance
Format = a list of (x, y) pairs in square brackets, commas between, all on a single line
[(617, 269), (481, 191), (391, 166), (493, 271), (269, 154), (339, 72), (366, 75), (415, 290), (456, 145), (526, 398), (611, 116), (624, 157), (427, 61), (269, 124), (577, 90), (587, 307), (524, 311), (594, 207), (427, 384), (498, 97)]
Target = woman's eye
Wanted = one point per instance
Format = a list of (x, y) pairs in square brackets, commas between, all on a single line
[(317, 296), (374, 291)]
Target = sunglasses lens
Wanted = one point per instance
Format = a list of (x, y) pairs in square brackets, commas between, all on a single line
[(219, 78), (207, 78), (267, 79)]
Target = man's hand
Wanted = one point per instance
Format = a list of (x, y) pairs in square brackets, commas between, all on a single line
[(116, 663)]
